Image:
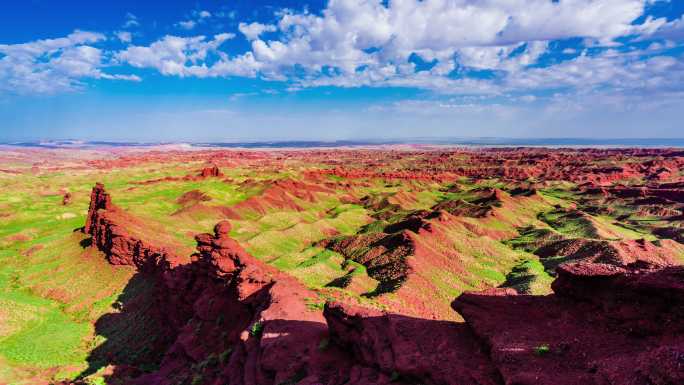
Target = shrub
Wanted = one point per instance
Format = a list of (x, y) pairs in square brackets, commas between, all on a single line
[(542, 350), (256, 329)]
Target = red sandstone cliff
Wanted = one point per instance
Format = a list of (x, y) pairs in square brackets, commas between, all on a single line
[(111, 231)]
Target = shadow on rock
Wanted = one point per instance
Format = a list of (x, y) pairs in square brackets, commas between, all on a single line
[(134, 334)]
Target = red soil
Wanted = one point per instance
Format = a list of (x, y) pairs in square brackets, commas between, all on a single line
[(192, 197)]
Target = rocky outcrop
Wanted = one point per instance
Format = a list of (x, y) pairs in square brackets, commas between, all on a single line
[(412, 349), (655, 291), (110, 228), (247, 322), (206, 172), (604, 325), (617, 253), (284, 194), (99, 200), (209, 172), (459, 207), (192, 197)]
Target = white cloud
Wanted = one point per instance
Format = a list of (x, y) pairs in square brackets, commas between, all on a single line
[(187, 25), (438, 28), (187, 56), (608, 70), (53, 65), (196, 18), (131, 21), (124, 36), (673, 30), (487, 47), (365, 42), (355, 43), (501, 57), (253, 30)]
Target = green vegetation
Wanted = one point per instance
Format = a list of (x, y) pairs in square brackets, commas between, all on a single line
[(529, 277), (52, 290), (256, 329), (542, 350), (531, 238), (573, 223)]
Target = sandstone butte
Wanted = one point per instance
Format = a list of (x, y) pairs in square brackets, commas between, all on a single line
[(248, 323)]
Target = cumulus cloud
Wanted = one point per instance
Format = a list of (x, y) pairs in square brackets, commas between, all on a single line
[(188, 56), (53, 65), (366, 42), (253, 30), (601, 71), (487, 47), (347, 29)]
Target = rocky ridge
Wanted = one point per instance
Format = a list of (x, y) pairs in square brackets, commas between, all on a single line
[(233, 319), (109, 227)]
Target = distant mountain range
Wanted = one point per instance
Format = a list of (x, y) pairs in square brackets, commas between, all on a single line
[(484, 142)]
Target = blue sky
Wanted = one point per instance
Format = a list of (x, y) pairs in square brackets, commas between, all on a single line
[(342, 69)]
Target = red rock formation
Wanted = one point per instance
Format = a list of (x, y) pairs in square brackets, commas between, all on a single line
[(618, 253), (413, 349), (604, 325), (212, 171), (385, 256), (279, 194), (240, 321), (107, 225), (99, 200)]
